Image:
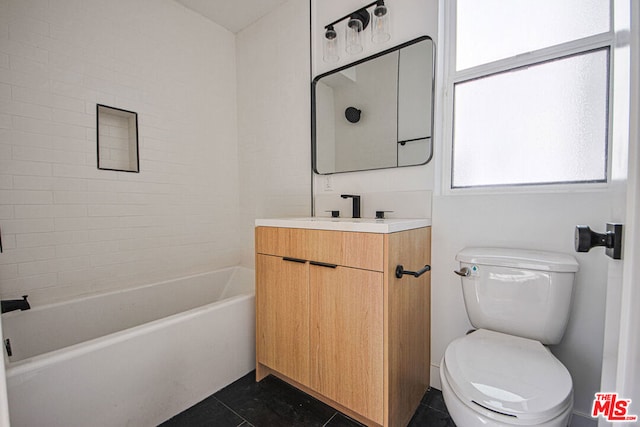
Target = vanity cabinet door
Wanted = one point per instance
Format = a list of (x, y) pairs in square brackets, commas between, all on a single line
[(282, 313), (346, 351)]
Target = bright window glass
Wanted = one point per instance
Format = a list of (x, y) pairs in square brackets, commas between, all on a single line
[(489, 30), (542, 124)]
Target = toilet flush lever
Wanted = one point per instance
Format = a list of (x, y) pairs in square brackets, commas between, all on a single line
[(464, 272)]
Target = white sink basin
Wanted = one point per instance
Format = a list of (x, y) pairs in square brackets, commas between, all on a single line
[(365, 225)]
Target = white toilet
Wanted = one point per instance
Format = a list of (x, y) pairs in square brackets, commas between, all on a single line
[(502, 374)]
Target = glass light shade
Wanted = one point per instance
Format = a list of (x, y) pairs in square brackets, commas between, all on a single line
[(353, 37), (380, 29), (330, 46)]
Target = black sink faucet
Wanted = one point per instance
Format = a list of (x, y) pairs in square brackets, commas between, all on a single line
[(356, 204), (15, 304)]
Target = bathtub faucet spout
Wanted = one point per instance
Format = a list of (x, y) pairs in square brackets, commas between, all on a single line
[(15, 304)]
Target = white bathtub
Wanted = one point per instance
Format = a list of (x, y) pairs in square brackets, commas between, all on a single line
[(130, 358)]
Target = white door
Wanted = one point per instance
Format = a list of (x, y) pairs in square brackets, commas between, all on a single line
[(628, 372), (621, 362)]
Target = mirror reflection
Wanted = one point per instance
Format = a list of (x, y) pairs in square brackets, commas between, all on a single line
[(377, 113)]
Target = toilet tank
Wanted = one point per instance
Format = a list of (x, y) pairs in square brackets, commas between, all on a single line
[(518, 292)]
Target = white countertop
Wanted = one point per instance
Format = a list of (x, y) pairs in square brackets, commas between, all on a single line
[(364, 225)]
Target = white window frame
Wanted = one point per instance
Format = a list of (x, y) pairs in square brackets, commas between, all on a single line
[(452, 76)]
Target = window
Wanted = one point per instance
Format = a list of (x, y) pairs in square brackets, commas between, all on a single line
[(530, 92)]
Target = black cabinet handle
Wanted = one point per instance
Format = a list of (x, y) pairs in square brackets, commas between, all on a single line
[(400, 271), (323, 264), (302, 261)]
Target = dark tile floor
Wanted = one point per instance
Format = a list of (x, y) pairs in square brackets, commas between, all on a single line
[(274, 403)]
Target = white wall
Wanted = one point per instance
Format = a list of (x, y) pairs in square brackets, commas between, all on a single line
[(69, 228), (274, 138)]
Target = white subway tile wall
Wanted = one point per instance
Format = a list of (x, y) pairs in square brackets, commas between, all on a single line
[(274, 120), (69, 228)]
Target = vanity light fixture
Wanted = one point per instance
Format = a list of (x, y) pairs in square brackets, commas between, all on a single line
[(353, 32), (330, 51), (357, 22), (380, 29)]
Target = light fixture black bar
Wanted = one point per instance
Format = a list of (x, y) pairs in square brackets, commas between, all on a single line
[(348, 15)]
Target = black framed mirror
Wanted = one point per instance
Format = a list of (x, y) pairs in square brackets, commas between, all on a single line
[(376, 113)]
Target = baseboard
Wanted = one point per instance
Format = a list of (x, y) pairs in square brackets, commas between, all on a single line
[(434, 378), (583, 420)]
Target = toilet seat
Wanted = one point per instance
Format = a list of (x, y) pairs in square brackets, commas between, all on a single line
[(508, 377)]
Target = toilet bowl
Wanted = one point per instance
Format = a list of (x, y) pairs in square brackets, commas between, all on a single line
[(494, 379), (502, 374)]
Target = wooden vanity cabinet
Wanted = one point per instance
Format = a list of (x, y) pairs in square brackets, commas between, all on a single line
[(283, 316), (333, 320), (346, 340)]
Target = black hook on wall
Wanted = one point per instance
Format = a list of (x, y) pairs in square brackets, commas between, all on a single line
[(352, 114)]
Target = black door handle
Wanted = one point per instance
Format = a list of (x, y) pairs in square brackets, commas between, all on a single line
[(585, 239)]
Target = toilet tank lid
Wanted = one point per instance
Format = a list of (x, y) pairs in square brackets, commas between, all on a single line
[(519, 258)]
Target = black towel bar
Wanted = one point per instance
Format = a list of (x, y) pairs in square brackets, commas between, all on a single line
[(400, 271)]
